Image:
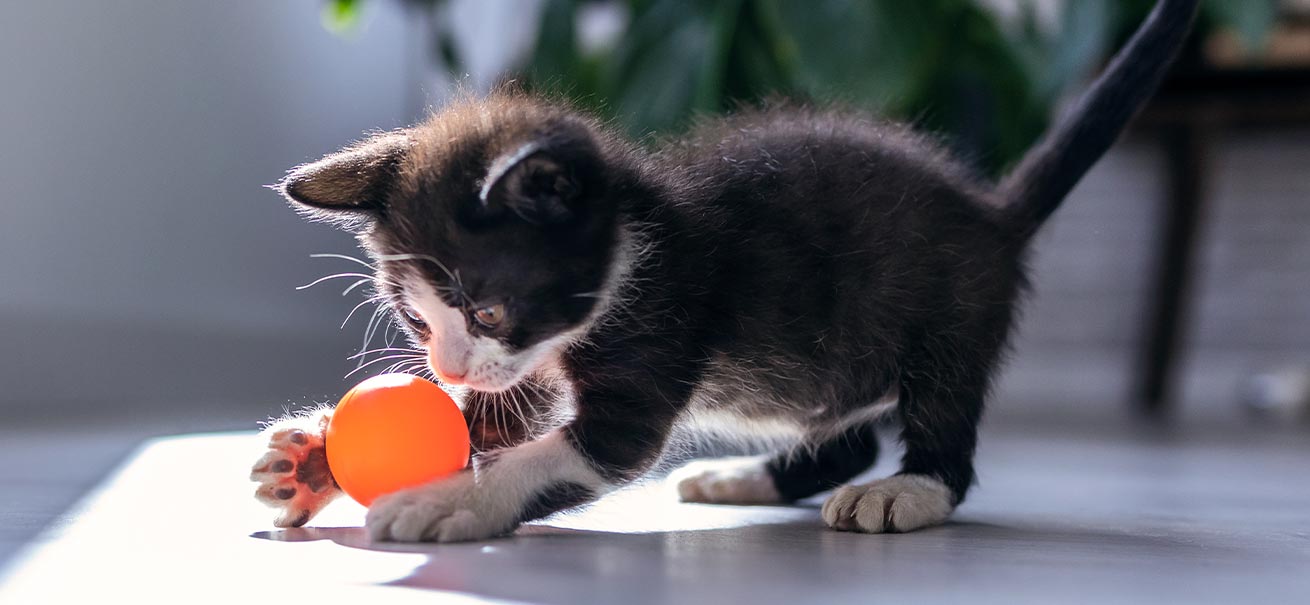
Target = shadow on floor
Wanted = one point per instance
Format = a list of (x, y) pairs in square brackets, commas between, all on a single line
[(770, 560)]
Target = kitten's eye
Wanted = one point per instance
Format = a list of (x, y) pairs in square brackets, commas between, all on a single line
[(490, 317), (412, 317)]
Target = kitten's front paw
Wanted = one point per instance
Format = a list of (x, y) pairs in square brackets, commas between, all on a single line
[(895, 504), (293, 473), (448, 510), (726, 481)]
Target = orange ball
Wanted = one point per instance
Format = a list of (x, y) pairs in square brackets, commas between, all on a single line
[(394, 431)]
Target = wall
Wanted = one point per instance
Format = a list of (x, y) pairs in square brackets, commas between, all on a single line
[(143, 262), (143, 268), (1250, 303)]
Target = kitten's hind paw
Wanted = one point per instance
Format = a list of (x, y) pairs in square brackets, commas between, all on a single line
[(293, 474), (895, 504), (726, 481)]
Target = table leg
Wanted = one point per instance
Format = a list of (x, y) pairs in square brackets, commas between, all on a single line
[(1185, 149)]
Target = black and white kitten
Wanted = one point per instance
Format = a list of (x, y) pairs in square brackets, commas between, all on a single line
[(786, 267)]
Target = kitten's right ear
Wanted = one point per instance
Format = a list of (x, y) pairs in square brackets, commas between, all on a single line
[(352, 181)]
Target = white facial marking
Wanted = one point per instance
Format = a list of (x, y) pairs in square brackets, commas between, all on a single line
[(456, 355), (484, 363)]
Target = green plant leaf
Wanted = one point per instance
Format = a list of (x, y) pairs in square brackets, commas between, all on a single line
[(711, 87), (652, 75), (948, 66), (1084, 38), (341, 16), (555, 53), (1250, 19)]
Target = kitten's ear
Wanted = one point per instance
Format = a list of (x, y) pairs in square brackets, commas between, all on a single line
[(352, 181), (541, 183)]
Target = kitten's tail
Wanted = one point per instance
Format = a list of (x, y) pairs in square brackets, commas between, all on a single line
[(1035, 188)]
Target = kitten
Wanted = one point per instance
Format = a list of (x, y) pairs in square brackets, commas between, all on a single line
[(783, 267)]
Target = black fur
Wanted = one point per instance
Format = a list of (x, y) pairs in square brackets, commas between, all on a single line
[(795, 264), (555, 498), (832, 462)]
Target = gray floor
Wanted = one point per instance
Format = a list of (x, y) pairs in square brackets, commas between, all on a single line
[(48, 462), (44, 471), (1096, 513)]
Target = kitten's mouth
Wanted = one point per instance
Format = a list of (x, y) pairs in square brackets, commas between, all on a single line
[(491, 382), (464, 380), (486, 387)]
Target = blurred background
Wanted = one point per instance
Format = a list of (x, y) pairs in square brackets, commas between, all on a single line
[(148, 282)]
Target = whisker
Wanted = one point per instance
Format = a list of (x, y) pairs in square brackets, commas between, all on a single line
[(513, 394), (518, 407), (502, 426), (333, 276), (409, 367), (378, 278), (373, 299), (525, 411), (416, 361), (379, 315), (453, 275), (414, 357), (380, 359), (356, 285), (368, 327), (392, 368), (426, 257), (386, 350), (342, 257), (468, 300)]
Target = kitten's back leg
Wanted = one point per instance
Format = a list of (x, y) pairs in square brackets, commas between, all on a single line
[(813, 467), (939, 420)]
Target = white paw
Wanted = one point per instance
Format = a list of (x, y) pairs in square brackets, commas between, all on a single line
[(726, 481), (448, 510), (292, 473), (895, 504)]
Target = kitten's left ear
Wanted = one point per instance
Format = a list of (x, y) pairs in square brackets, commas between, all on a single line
[(541, 183), (353, 181)]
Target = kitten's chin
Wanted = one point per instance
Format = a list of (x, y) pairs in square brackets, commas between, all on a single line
[(493, 382), (489, 387), (507, 371), (504, 379)]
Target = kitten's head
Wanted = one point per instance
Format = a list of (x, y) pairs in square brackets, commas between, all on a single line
[(493, 227)]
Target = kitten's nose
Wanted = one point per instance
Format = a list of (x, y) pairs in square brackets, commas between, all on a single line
[(451, 377), (449, 362)]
